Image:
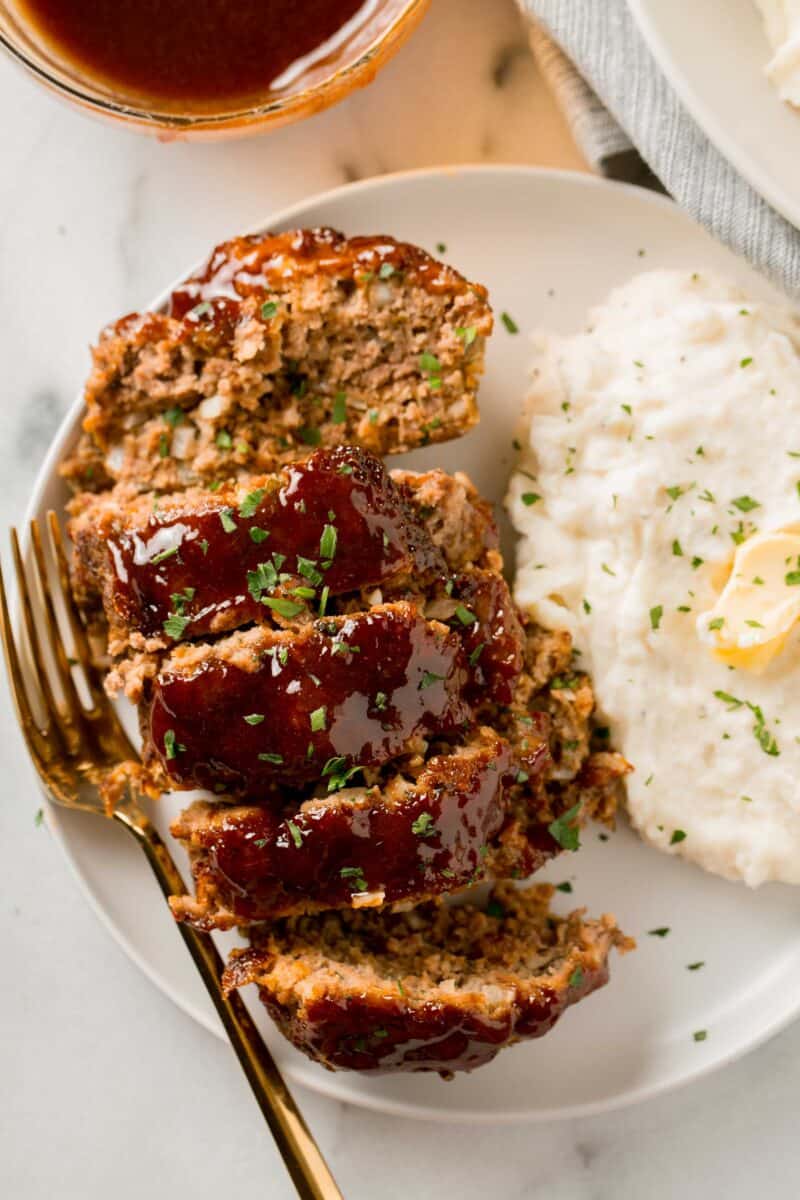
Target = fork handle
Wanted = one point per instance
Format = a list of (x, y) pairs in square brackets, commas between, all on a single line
[(301, 1155)]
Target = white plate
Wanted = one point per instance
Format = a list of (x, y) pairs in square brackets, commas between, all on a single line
[(714, 56), (548, 245)]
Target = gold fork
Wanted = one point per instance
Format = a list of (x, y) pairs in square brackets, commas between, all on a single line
[(74, 748)]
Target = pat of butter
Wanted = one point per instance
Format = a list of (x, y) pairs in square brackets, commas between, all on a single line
[(759, 604)]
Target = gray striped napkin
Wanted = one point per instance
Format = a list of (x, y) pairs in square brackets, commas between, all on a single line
[(630, 124)]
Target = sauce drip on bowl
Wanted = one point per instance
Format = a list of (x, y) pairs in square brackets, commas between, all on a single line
[(196, 51)]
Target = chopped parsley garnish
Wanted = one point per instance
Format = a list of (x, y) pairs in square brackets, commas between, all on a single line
[(307, 567), (467, 334), (745, 503), (565, 831), (607, 569), (700, 1035), (223, 440), (717, 623), (310, 434), (386, 271), (423, 826), (745, 362), (530, 498), (318, 719), (163, 446), (174, 626), (162, 554), (226, 517), (263, 579), (476, 653), (697, 561), (566, 886), (204, 545), (429, 363), (38, 820), (728, 699), (381, 700), (587, 608), (509, 322), (676, 549), (284, 608), (323, 600), (695, 966), (675, 492), (171, 745), (576, 978), (428, 679), (661, 932), (792, 578), (268, 310), (464, 615), (678, 835), (441, 248), (248, 506), (327, 543), (656, 614), (707, 496), (254, 718), (173, 416), (268, 757), (356, 874), (339, 410), (297, 836), (258, 535)]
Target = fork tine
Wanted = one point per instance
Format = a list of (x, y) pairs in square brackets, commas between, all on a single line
[(102, 704), (64, 674), (52, 714), (80, 641), (37, 742)]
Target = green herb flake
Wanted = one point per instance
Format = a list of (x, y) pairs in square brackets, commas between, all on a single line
[(656, 614), (745, 362), (530, 498), (428, 679), (564, 830), (318, 719), (226, 517), (268, 310), (174, 416), (339, 410), (792, 578), (163, 554), (327, 543), (745, 503), (175, 625), (566, 887), (248, 506), (356, 874), (269, 757), (700, 1035), (661, 932), (678, 835), (297, 836), (423, 826), (467, 334), (695, 966), (476, 653), (716, 623), (509, 322), (284, 608), (676, 549), (254, 718), (258, 535), (576, 978), (464, 615)]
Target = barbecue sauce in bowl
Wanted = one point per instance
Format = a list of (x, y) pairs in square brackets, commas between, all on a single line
[(205, 55)]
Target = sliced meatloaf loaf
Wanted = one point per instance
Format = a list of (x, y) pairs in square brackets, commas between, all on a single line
[(280, 344), (434, 989), (336, 529)]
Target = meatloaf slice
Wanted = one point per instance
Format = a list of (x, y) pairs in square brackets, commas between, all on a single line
[(205, 562), (434, 989), (282, 343), (263, 708), (422, 830)]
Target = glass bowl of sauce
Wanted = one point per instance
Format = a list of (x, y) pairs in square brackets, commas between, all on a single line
[(184, 68)]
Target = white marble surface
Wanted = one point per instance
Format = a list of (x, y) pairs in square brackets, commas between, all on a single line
[(108, 1091)]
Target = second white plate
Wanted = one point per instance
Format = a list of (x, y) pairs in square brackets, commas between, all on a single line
[(714, 56), (548, 245)]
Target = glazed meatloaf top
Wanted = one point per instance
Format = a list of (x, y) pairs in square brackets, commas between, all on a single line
[(435, 989), (282, 343)]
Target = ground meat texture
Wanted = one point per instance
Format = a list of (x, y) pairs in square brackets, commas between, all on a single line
[(333, 524), (459, 521), (263, 707), (435, 989), (283, 343)]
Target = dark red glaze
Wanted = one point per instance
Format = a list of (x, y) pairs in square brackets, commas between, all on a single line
[(193, 51), (377, 539), (259, 264), (434, 840), (494, 641), (381, 678), (386, 1035)]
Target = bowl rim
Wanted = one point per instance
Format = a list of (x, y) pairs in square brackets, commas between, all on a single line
[(285, 108)]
